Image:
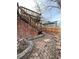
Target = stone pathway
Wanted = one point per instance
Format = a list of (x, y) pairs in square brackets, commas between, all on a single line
[(44, 48)]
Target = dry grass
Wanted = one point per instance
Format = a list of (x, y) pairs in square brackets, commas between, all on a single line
[(55, 30)]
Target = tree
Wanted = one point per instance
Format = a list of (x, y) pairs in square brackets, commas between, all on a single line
[(58, 2), (42, 5), (46, 4)]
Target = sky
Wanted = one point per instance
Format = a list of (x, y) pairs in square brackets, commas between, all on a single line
[(30, 4), (53, 14)]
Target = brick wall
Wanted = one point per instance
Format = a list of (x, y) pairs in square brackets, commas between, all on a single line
[(24, 30)]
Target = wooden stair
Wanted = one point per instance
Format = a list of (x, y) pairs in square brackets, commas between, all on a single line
[(26, 15)]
